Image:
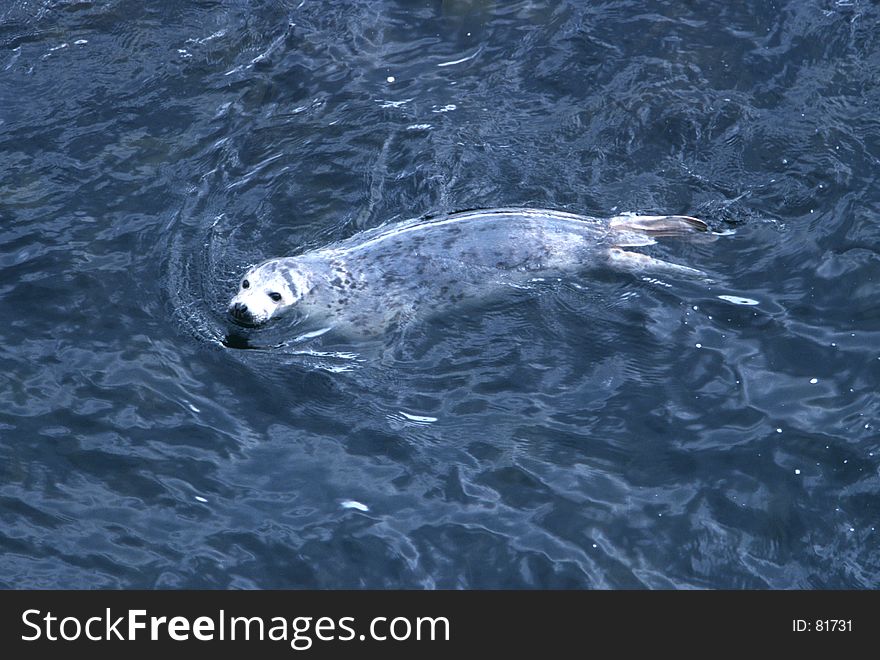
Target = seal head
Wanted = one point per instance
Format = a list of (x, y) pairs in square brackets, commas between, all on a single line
[(265, 291)]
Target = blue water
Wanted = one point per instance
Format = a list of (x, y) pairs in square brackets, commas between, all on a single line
[(615, 431)]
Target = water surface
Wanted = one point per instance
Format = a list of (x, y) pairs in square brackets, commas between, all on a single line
[(610, 432)]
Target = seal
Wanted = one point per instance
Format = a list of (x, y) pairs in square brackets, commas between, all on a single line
[(366, 284)]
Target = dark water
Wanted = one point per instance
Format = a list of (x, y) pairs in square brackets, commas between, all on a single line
[(610, 432)]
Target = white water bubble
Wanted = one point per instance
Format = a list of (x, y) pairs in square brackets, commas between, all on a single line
[(813, 381), (739, 300), (390, 79), (422, 419), (354, 504)]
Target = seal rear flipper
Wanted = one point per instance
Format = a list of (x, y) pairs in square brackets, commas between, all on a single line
[(625, 237), (635, 262), (658, 225)]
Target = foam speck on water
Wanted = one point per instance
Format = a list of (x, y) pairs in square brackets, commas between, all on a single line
[(354, 504), (738, 300), (424, 419)]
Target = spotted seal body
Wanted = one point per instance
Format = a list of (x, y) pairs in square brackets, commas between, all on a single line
[(366, 284)]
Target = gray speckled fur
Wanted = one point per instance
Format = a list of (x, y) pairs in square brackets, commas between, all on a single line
[(363, 285)]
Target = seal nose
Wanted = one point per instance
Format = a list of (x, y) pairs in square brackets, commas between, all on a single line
[(240, 312)]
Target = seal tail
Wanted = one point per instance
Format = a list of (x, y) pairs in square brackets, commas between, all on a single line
[(641, 230)]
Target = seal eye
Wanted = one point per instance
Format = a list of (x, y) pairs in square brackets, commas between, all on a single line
[(275, 296), (245, 284)]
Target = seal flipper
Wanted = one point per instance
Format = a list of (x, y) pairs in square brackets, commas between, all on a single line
[(635, 262), (658, 225)]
